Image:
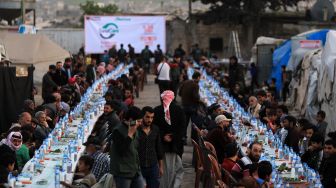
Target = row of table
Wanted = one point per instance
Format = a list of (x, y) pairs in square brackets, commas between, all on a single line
[(288, 171), (57, 158)]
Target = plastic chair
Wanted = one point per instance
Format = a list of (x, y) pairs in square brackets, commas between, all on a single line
[(211, 148), (199, 163), (215, 168)]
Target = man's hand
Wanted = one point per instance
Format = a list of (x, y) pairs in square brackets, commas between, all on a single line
[(160, 171), (132, 130), (167, 138)]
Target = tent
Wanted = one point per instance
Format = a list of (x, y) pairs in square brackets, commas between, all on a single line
[(282, 54), (37, 50), (3, 55), (314, 83)]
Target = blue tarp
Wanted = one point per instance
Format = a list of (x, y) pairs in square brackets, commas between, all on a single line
[(282, 54)]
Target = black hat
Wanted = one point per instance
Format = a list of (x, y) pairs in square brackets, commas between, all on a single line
[(213, 107), (93, 141)]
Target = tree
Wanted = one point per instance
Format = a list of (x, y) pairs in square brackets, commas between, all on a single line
[(92, 8), (241, 11)]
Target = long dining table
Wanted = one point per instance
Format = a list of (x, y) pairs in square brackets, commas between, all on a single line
[(57, 158), (288, 170)]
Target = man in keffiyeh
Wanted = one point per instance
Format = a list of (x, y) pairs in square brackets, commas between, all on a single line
[(170, 119), (10, 145), (167, 98)]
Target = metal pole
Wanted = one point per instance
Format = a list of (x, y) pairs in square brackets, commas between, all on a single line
[(23, 11), (190, 8)]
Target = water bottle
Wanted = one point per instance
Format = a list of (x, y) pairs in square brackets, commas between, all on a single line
[(69, 166), (10, 175), (280, 152), (64, 162), (57, 178)]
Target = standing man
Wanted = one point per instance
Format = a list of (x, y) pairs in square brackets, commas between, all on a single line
[(196, 53), (60, 76), (236, 73), (146, 54), (175, 74), (179, 51), (125, 164), (321, 125), (48, 85), (68, 67), (91, 75), (171, 121), (122, 54), (131, 53), (150, 149), (158, 54), (189, 93), (163, 75)]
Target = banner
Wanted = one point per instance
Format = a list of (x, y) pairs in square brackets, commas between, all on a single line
[(102, 32)]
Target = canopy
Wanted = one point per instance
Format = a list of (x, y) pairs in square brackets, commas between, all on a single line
[(35, 50)]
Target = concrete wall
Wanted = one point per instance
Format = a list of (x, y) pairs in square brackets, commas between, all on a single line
[(178, 31), (69, 38)]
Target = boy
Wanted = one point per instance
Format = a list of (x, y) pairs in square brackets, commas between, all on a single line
[(304, 142), (85, 164), (6, 166), (321, 124), (313, 155)]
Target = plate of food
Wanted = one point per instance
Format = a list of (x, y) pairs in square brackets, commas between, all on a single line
[(42, 182), (283, 168), (56, 151)]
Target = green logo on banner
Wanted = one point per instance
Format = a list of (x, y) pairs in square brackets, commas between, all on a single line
[(108, 30)]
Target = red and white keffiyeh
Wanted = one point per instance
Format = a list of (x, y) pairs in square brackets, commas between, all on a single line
[(167, 97)]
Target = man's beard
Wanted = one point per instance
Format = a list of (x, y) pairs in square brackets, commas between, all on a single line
[(147, 125), (253, 159)]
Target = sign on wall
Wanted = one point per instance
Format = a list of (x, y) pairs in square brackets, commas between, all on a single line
[(102, 32)]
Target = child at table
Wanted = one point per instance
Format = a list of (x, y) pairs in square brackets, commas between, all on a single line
[(313, 155), (271, 118), (304, 142), (6, 166), (86, 178)]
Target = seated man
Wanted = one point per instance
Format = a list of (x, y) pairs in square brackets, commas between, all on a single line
[(264, 173), (220, 136), (328, 165), (243, 166), (231, 156), (106, 122), (314, 154), (101, 164)]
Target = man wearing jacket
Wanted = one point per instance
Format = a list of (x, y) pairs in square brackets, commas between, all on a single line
[(125, 164), (171, 121)]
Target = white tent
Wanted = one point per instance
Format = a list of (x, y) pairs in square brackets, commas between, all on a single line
[(37, 50), (314, 83), (3, 55)]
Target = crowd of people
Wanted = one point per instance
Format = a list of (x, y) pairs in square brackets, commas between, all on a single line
[(145, 146), (308, 139)]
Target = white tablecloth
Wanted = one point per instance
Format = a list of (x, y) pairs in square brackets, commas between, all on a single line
[(48, 172)]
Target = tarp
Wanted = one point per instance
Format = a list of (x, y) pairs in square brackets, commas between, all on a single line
[(283, 53), (35, 50), (314, 83), (327, 81), (3, 54)]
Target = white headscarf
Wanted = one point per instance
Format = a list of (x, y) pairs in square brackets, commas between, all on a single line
[(11, 137)]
